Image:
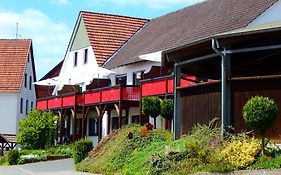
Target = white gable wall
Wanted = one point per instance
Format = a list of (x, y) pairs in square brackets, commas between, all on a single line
[(270, 15), (8, 113), (26, 93)]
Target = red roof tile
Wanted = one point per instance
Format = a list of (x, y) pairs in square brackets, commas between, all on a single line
[(13, 59), (109, 32)]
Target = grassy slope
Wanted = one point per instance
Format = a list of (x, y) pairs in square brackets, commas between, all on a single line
[(117, 153)]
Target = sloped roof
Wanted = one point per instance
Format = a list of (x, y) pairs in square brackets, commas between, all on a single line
[(54, 72), (108, 32), (189, 24), (13, 60)]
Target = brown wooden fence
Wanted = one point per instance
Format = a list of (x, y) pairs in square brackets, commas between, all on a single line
[(201, 103)]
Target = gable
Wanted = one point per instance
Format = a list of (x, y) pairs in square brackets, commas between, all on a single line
[(81, 39)]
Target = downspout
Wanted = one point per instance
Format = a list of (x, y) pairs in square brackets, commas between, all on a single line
[(225, 85)]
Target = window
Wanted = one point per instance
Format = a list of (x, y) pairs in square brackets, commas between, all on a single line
[(21, 105), (26, 106), (137, 76), (121, 80), (28, 58), (30, 82), (85, 56), (31, 105), (25, 80), (75, 58), (93, 126)]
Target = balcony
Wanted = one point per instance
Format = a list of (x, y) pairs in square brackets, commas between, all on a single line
[(163, 85), (91, 97)]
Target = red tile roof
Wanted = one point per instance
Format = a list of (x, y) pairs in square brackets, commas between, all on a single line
[(108, 32), (13, 60)]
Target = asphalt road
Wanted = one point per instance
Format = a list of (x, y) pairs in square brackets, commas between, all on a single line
[(58, 167)]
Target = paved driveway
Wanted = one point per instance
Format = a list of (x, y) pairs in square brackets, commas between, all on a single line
[(58, 167)]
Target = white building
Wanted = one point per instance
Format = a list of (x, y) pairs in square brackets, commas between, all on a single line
[(17, 92)]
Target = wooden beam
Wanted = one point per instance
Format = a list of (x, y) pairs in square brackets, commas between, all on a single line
[(73, 112), (108, 121), (84, 120), (177, 104)]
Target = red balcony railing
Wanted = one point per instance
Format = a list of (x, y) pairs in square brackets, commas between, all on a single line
[(102, 95), (163, 85)]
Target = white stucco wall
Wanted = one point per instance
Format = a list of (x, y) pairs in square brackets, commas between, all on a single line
[(270, 15), (130, 69), (69, 71), (26, 93), (8, 113)]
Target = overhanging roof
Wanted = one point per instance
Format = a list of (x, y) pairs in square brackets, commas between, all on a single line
[(261, 59)]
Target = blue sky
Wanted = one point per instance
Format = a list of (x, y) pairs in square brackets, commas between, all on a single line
[(49, 23)]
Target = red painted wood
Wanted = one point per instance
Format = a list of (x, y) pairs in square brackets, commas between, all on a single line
[(54, 103), (41, 105), (130, 93), (112, 94), (92, 97), (68, 101), (157, 87), (80, 99)]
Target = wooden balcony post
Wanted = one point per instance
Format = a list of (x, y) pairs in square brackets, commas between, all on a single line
[(140, 106), (62, 116), (84, 120), (177, 104)]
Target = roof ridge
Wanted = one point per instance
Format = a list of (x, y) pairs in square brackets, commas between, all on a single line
[(109, 14), (9, 39), (182, 9)]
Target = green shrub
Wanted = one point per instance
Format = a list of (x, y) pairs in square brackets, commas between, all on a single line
[(167, 110), (259, 113), (81, 149), (264, 162), (151, 106), (38, 130), (12, 157)]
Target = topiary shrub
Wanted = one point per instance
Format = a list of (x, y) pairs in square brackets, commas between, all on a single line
[(167, 110), (12, 157), (151, 106), (38, 130), (81, 149), (259, 113)]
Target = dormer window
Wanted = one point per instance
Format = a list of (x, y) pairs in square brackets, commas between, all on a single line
[(85, 56), (75, 58)]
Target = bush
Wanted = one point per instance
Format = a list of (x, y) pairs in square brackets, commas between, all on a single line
[(12, 157), (38, 130), (259, 113), (167, 110), (240, 152), (81, 149), (151, 106)]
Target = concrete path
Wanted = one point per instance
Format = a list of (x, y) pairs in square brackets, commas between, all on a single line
[(58, 167)]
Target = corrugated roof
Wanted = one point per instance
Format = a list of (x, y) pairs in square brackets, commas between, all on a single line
[(189, 24), (108, 32), (13, 59)]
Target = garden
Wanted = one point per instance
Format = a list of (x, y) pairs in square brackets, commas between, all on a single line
[(36, 138), (136, 149)]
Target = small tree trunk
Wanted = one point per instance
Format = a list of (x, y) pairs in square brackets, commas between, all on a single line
[(154, 122), (262, 144)]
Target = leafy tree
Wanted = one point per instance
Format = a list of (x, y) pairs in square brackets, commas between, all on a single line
[(259, 113), (38, 130), (167, 110), (151, 106)]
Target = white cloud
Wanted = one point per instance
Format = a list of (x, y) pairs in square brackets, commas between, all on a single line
[(61, 2), (50, 38), (155, 4)]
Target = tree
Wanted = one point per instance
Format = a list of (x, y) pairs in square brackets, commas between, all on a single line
[(151, 107), (167, 110), (38, 130), (259, 113)]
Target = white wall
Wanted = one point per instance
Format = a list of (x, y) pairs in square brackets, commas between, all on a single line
[(130, 69), (70, 71), (26, 93), (270, 15), (8, 113)]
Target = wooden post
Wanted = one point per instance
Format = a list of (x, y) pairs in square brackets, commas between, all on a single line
[(140, 106), (62, 116), (73, 111), (127, 116), (84, 121)]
